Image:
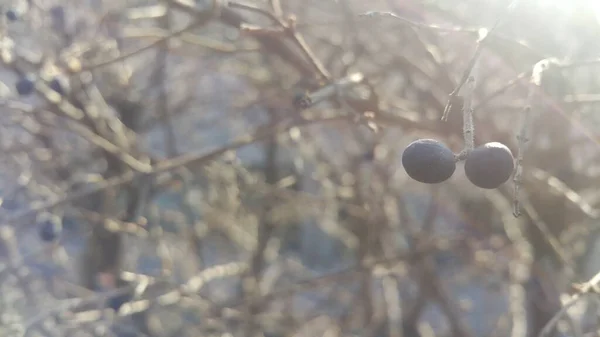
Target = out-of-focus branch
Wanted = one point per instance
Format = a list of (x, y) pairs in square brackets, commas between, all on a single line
[(327, 92), (591, 287), (203, 17)]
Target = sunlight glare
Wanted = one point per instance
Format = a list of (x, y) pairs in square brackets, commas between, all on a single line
[(569, 6)]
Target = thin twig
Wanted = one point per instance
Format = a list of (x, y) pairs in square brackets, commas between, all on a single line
[(522, 137), (193, 158), (312, 57), (326, 92), (165, 166), (484, 34), (276, 19), (276, 6), (203, 18), (455, 29), (484, 101), (162, 72), (468, 125), (288, 29), (589, 287)]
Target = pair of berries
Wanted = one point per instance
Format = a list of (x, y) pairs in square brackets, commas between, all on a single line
[(26, 85), (431, 162)]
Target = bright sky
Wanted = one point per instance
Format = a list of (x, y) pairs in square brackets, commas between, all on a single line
[(570, 5)]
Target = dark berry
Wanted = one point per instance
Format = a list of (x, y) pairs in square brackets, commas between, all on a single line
[(428, 161), (56, 85), (302, 100), (57, 13), (369, 155), (116, 302), (25, 85), (50, 229), (12, 15), (489, 165)]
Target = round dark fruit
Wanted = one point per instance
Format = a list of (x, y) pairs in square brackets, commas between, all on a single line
[(489, 165), (428, 161), (25, 85), (302, 100), (50, 229), (56, 85), (115, 302), (57, 13), (12, 15)]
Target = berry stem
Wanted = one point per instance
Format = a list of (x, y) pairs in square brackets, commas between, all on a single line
[(468, 124)]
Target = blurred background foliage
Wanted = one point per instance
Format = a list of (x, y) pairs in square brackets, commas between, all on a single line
[(197, 196)]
